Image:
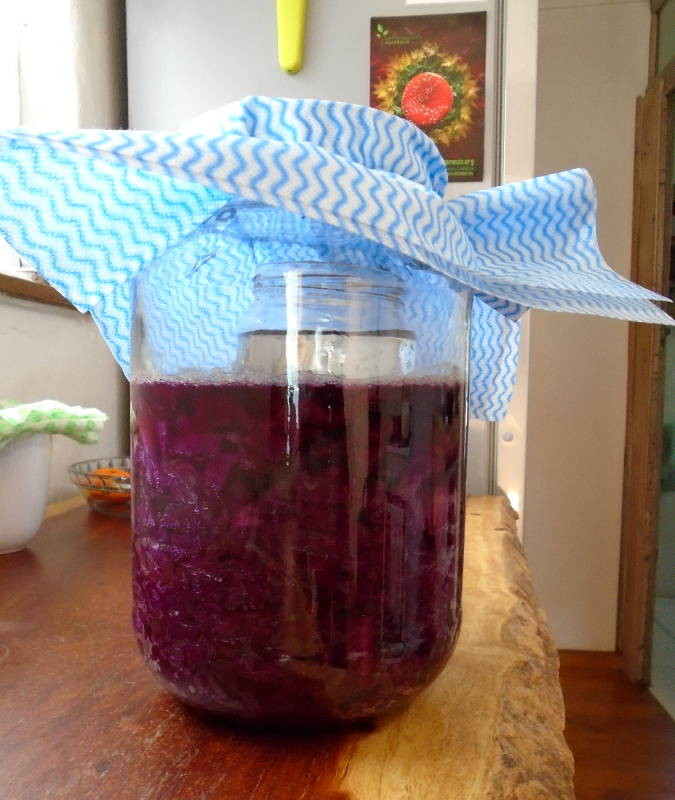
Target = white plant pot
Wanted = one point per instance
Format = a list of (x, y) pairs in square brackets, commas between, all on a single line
[(24, 479)]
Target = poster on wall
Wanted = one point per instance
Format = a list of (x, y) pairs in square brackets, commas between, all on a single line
[(430, 70)]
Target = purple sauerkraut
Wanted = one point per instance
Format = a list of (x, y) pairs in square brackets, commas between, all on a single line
[(297, 550)]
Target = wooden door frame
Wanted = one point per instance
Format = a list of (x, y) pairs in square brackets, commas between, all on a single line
[(652, 196)]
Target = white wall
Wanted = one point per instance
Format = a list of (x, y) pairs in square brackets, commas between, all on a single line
[(71, 67), (50, 352), (592, 65), (71, 58)]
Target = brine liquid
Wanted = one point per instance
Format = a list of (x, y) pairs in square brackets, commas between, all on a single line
[(297, 549)]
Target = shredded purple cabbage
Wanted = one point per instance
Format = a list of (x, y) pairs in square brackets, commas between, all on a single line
[(297, 552)]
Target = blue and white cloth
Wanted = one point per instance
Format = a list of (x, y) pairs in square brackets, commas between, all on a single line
[(89, 208)]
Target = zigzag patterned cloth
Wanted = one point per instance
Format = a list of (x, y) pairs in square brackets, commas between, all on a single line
[(88, 209)]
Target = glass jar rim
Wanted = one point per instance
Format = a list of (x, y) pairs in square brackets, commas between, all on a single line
[(330, 276)]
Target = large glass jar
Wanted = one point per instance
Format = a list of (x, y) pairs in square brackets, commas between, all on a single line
[(298, 468)]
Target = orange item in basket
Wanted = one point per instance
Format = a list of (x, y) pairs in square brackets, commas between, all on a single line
[(106, 480)]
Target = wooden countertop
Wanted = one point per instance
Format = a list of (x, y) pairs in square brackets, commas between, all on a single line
[(81, 717)]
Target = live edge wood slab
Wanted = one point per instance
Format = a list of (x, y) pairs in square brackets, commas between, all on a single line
[(81, 717)]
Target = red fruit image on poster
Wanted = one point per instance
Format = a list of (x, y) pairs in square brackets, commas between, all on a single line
[(430, 70)]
